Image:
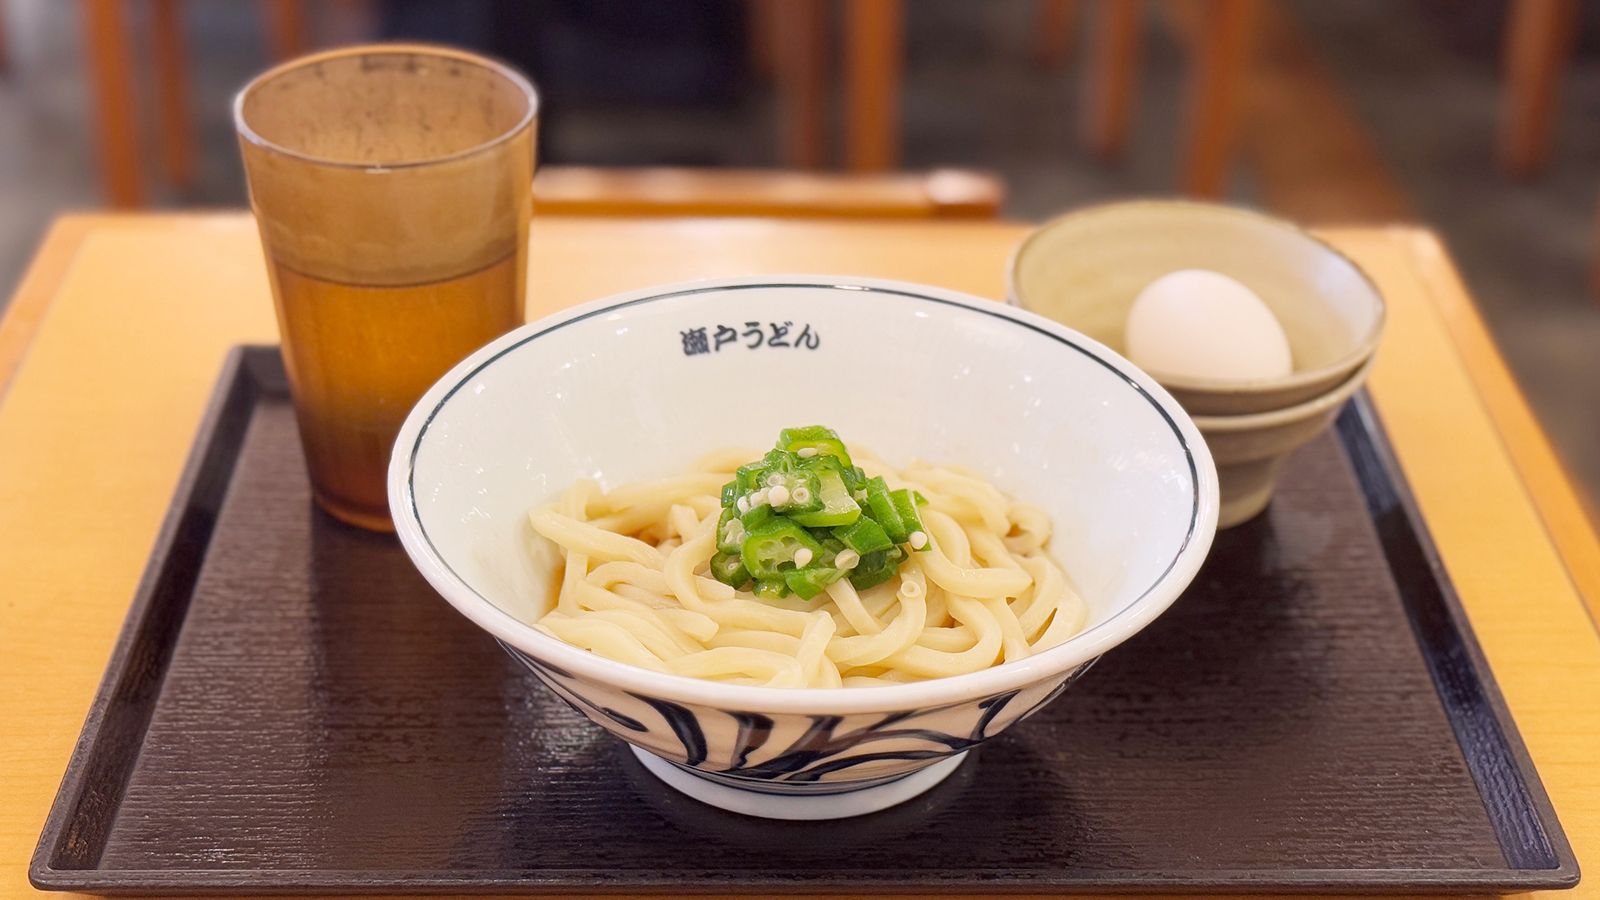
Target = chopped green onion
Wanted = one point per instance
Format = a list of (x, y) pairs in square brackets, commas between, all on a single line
[(854, 478), (876, 568), (838, 508), (730, 531), (757, 516), (773, 545), (804, 516), (747, 478), (807, 583), (729, 569), (772, 589), (882, 509), (906, 508), (863, 536), (800, 492), (824, 441)]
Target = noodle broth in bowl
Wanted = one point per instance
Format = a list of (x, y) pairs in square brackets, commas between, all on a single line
[(820, 627)]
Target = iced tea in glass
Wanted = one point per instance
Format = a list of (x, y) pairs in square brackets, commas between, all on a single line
[(392, 185)]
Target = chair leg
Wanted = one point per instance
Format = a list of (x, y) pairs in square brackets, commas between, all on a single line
[(760, 36), (874, 66), (1053, 42), (286, 28), (5, 43), (800, 57), (110, 59), (177, 136), (1538, 45), (1594, 263), (1220, 69), (1110, 75)]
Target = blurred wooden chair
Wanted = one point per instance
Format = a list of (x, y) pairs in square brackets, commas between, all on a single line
[(108, 46), (940, 194), (791, 39), (1220, 34), (874, 63), (1540, 35), (1058, 19), (1539, 40)]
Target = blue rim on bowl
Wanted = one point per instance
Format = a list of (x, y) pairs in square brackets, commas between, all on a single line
[(1081, 648)]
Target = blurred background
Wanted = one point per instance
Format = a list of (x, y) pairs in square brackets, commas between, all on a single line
[(1478, 118)]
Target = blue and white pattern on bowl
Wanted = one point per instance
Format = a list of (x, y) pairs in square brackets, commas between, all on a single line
[(814, 754), (640, 385)]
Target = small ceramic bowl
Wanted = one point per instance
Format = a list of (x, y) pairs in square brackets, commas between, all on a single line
[(1250, 450), (639, 385), (1086, 267)]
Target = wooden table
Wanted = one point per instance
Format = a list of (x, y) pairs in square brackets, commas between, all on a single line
[(110, 349)]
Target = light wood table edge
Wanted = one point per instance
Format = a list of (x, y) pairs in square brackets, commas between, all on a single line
[(1570, 526), (53, 257), (31, 300)]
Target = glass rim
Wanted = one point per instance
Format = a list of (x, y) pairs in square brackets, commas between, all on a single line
[(504, 70)]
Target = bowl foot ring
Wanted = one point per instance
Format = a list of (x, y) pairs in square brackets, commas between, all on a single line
[(800, 808)]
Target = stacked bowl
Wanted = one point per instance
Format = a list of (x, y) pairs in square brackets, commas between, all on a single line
[(1086, 268)]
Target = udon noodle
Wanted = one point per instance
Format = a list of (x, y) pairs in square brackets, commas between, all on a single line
[(636, 587)]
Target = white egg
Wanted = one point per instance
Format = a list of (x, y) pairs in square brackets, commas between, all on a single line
[(1195, 323)]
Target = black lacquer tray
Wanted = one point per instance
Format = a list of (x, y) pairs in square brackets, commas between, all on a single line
[(290, 708)]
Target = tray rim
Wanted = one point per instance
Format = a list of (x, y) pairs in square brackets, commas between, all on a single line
[(251, 370), (1567, 871)]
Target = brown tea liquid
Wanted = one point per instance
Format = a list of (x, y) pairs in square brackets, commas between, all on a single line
[(393, 187), (359, 357)]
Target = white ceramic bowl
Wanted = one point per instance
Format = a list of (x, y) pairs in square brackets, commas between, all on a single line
[(617, 390)]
